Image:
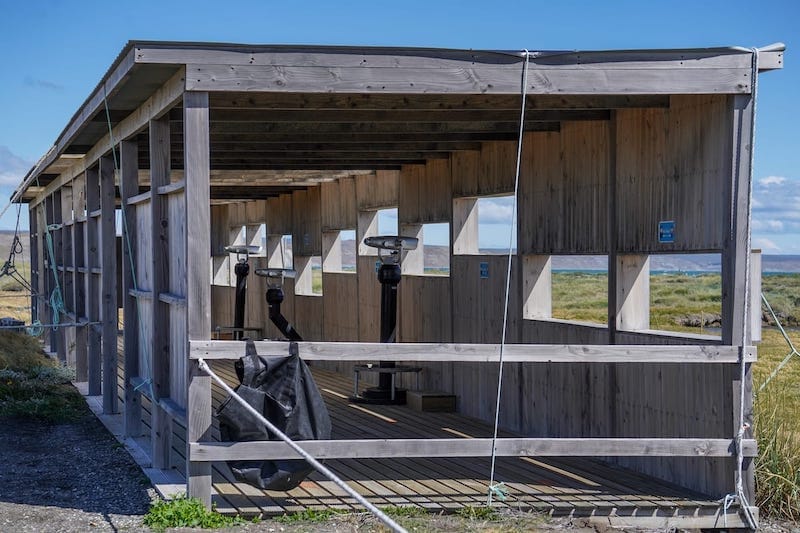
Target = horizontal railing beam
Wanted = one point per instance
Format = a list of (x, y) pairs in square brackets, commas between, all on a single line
[(476, 353), (507, 447)]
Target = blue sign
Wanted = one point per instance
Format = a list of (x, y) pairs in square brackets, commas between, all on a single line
[(666, 231), (484, 267), (377, 266)]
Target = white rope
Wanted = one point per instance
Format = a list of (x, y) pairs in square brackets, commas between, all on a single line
[(391, 524), (492, 487), (792, 353)]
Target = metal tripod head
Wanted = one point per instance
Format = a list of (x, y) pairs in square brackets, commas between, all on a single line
[(242, 251), (391, 247), (274, 276)]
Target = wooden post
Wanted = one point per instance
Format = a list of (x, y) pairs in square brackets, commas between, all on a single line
[(129, 186), (198, 296), (57, 334), (79, 249), (43, 267), (734, 271), (108, 284), (611, 221), (93, 289), (35, 242), (161, 428)]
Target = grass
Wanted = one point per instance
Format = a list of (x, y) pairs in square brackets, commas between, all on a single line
[(692, 304), (33, 386), (186, 512)]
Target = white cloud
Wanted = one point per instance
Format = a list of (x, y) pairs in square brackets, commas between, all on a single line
[(772, 180), (766, 245), (12, 167), (495, 210)]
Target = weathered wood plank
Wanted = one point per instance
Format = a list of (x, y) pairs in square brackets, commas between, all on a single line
[(465, 79), (129, 183), (108, 282), (479, 447), (198, 290), (92, 261), (406, 351), (159, 238), (162, 100)]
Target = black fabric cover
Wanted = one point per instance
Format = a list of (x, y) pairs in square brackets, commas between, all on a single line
[(283, 390)]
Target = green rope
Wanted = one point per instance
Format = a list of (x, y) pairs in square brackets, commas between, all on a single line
[(56, 298)]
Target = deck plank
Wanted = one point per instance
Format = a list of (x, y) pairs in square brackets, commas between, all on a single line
[(560, 486)]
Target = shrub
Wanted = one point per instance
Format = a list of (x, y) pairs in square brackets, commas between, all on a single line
[(186, 512)]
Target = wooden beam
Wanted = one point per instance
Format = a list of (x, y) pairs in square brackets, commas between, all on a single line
[(333, 129), (159, 103), (401, 116), (108, 284), (665, 77), (161, 428), (438, 102), (129, 185), (484, 353), (505, 447), (93, 283), (198, 289)]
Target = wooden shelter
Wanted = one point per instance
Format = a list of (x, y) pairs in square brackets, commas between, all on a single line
[(184, 148)]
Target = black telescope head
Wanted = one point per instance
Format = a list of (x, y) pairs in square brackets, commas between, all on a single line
[(242, 251), (274, 276), (391, 247)]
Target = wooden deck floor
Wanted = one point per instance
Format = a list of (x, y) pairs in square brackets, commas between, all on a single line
[(557, 486)]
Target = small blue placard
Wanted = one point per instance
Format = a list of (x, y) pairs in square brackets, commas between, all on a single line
[(666, 231), (377, 266), (484, 270)]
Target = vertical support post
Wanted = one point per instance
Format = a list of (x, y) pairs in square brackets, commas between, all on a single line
[(414, 260), (93, 284), (68, 253), (129, 186), (734, 268), (78, 260), (35, 242), (108, 282), (198, 296), (58, 344), (611, 219), (161, 428), (42, 290)]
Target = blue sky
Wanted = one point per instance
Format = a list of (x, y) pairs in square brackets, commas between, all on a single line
[(55, 52)]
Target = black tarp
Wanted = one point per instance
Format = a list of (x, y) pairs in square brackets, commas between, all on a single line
[(283, 390)]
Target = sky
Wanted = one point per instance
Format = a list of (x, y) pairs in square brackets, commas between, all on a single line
[(54, 52)]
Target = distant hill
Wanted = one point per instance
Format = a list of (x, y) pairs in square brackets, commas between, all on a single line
[(438, 257)]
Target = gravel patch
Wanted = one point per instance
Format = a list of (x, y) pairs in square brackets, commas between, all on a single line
[(68, 477)]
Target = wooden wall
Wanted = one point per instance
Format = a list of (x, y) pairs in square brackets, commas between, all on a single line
[(668, 164), (672, 164)]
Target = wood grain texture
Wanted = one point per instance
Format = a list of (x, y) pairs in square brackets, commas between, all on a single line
[(94, 366), (129, 183), (198, 291), (108, 282), (431, 351), (476, 447), (306, 222), (464, 79)]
